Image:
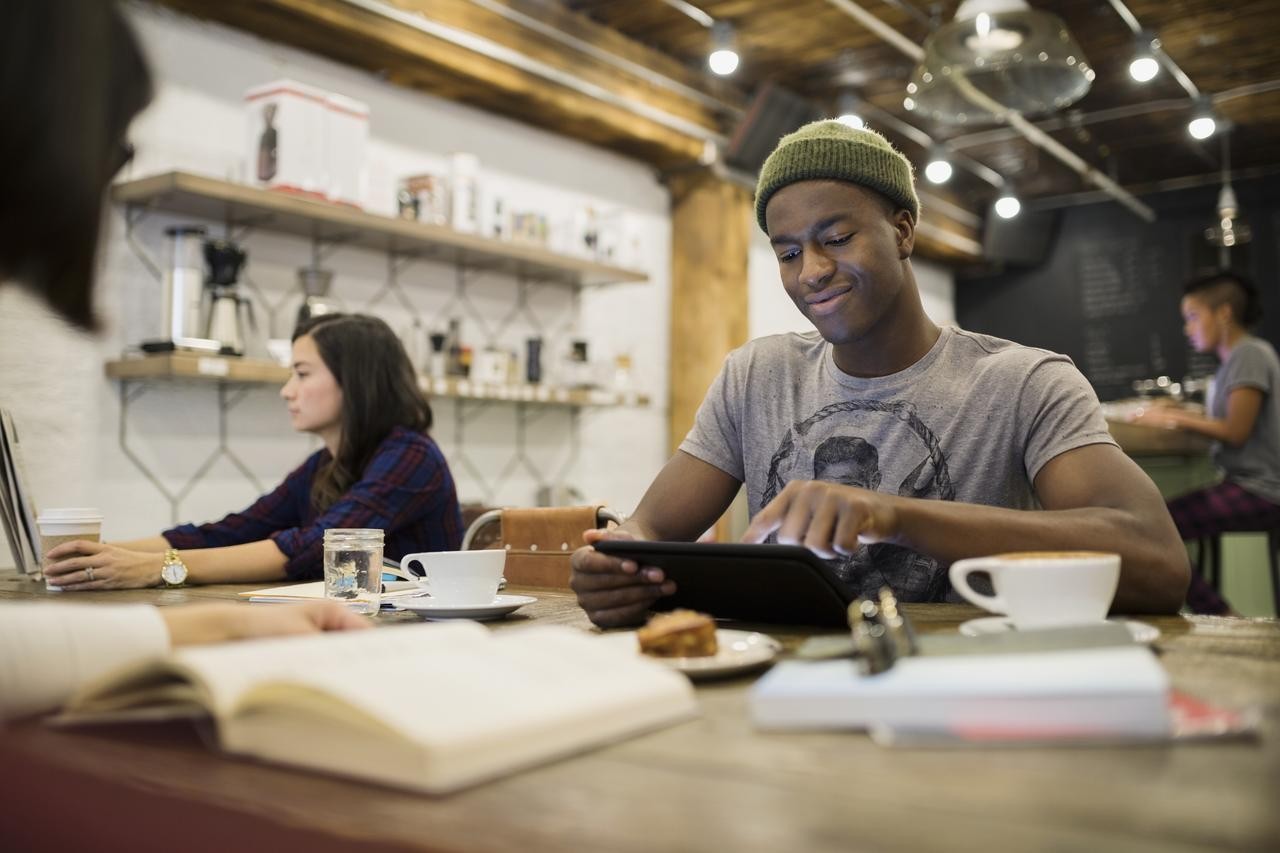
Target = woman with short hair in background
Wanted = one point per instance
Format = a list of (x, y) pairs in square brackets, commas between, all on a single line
[(1242, 416)]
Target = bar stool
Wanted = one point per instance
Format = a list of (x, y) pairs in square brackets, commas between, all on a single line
[(1209, 560)]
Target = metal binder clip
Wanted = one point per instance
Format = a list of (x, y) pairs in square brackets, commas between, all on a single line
[(881, 633)]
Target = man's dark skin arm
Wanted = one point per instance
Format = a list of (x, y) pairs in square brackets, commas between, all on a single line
[(1094, 498), (684, 500)]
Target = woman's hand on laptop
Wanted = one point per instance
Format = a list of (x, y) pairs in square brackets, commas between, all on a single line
[(82, 565), (615, 592)]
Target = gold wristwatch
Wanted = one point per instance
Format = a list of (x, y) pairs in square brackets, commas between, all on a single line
[(173, 572)]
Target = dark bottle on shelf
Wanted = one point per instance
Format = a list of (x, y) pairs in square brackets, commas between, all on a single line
[(533, 360), (268, 145)]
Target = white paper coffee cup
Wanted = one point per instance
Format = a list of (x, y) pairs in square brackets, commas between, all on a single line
[(66, 524)]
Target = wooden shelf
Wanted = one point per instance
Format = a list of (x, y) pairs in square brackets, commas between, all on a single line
[(248, 371), (222, 201)]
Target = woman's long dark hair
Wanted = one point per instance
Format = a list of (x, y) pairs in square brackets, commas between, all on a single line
[(72, 77), (379, 392)]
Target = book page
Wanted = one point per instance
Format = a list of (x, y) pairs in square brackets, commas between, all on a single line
[(480, 710), (223, 673)]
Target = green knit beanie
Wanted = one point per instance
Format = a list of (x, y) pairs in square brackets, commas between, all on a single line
[(829, 150)]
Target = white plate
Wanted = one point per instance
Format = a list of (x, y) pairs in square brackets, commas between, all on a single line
[(1141, 631), (496, 609), (739, 651)]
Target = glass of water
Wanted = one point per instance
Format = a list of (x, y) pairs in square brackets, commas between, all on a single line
[(353, 568)]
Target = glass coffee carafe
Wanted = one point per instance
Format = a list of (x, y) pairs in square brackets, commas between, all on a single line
[(315, 284)]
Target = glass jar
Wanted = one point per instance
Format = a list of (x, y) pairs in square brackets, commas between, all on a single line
[(353, 568)]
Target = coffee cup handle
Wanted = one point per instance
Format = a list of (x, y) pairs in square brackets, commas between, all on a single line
[(960, 571), (403, 572)]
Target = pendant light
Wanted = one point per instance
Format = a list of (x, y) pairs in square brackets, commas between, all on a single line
[(1023, 59), (1229, 228)]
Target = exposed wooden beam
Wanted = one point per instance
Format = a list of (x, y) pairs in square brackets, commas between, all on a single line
[(710, 224), (356, 36)]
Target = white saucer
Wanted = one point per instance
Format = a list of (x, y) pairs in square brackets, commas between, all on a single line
[(496, 609), (1141, 631), (739, 651)]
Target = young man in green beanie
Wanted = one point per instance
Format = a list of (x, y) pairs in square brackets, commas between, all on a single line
[(881, 442)]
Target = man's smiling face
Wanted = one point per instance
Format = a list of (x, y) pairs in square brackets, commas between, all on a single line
[(840, 250)]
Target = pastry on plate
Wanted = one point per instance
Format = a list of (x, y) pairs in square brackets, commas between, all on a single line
[(679, 634)]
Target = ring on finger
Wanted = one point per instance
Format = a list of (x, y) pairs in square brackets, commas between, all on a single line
[(89, 571)]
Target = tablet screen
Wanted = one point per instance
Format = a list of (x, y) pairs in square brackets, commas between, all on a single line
[(771, 584)]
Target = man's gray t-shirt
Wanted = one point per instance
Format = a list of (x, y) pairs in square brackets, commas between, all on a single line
[(1255, 465), (973, 421)]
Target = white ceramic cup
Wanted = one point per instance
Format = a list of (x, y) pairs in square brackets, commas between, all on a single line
[(66, 524), (1044, 589), (457, 577)]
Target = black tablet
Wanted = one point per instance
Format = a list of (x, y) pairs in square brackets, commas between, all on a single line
[(774, 584)]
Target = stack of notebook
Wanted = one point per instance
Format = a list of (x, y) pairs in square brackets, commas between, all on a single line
[(17, 510)]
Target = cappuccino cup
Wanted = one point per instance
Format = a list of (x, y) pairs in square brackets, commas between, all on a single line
[(66, 524), (456, 577), (1043, 589)]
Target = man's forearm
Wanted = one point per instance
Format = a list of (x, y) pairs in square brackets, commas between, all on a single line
[(1154, 569)]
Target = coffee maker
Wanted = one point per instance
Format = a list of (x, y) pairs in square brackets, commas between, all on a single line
[(315, 284), (230, 311), (183, 310)]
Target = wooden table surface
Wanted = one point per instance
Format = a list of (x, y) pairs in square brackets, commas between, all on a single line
[(710, 784)]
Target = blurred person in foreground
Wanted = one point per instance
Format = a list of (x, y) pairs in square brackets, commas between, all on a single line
[(72, 78)]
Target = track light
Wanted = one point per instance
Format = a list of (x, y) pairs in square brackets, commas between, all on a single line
[(1203, 124), (1145, 66), (1007, 206), (724, 54), (938, 169), (847, 111)]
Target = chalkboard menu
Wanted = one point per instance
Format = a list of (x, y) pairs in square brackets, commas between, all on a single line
[(1108, 292)]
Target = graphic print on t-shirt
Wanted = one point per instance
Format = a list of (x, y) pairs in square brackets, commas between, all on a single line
[(908, 461)]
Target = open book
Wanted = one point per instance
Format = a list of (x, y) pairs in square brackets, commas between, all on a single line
[(427, 707)]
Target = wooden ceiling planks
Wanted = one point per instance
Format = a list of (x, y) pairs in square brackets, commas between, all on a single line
[(369, 41), (810, 46)]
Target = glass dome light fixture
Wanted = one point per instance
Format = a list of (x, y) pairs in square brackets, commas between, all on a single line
[(1007, 206), (847, 111), (1022, 58), (938, 170), (1145, 65), (1203, 123), (723, 59)]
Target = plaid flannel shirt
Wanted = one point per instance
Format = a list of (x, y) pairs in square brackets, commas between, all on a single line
[(406, 491)]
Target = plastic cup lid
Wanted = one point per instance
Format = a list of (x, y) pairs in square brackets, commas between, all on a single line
[(74, 513)]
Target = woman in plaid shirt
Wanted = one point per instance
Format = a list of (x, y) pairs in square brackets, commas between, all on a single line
[(354, 387)]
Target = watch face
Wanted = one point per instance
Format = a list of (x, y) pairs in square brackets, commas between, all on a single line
[(173, 572)]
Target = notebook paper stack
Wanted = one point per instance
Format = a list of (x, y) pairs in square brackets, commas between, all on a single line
[(1119, 693), (17, 509)]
